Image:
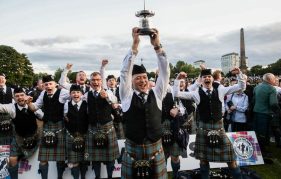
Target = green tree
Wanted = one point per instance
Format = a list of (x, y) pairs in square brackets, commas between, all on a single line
[(16, 66), (58, 74)]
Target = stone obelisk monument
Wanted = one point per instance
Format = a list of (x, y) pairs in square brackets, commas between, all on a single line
[(243, 65)]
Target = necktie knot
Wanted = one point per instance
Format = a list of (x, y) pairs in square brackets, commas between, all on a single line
[(96, 94), (24, 110), (142, 97), (209, 93), (76, 107), (50, 95), (1, 90)]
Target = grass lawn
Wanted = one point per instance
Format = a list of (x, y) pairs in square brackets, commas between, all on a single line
[(270, 171)]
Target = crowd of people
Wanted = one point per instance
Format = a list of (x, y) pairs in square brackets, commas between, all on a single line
[(78, 124)]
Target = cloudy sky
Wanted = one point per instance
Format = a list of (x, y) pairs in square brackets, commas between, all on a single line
[(55, 32)]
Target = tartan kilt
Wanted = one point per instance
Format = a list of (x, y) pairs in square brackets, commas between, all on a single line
[(119, 130), (73, 157), (6, 139), (108, 154), (17, 150), (134, 152), (174, 149), (223, 153), (56, 153)]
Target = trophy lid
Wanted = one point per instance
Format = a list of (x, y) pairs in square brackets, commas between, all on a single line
[(145, 13)]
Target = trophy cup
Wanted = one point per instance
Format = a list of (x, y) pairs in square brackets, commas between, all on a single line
[(144, 28)]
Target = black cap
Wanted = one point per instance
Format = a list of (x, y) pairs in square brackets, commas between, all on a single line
[(206, 72), (138, 69), (75, 87), (3, 74), (19, 90), (47, 78), (110, 77)]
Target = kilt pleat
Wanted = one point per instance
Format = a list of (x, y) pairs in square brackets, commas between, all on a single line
[(222, 153), (107, 154), (58, 152), (152, 152)]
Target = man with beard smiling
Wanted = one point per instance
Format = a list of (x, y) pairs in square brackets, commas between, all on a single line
[(211, 143), (101, 141), (24, 141), (81, 79), (52, 146), (142, 113)]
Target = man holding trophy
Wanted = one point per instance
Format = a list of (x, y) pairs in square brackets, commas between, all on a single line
[(144, 156)]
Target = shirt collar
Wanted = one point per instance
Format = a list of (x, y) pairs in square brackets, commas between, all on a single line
[(79, 103), (137, 92), (20, 107)]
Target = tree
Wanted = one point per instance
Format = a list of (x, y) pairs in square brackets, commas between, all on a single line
[(16, 66)]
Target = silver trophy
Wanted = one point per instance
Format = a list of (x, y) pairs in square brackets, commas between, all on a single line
[(144, 28)]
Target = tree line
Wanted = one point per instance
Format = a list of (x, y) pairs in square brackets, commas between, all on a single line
[(19, 69)]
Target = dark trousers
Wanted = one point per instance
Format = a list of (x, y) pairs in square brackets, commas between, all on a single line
[(262, 128)]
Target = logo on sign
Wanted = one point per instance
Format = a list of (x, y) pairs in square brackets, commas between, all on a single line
[(243, 148)]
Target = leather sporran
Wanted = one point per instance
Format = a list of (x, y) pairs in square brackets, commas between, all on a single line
[(213, 138), (78, 144), (29, 142), (6, 126), (50, 139), (100, 139), (167, 138), (142, 169)]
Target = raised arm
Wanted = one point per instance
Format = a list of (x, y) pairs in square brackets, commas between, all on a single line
[(104, 62), (125, 89), (163, 66), (63, 78)]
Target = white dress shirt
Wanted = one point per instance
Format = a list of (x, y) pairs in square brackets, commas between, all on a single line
[(11, 110), (126, 90), (63, 97)]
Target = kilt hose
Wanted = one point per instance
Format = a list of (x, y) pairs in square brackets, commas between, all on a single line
[(56, 153), (153, 152), (107, 154), (18, 150), (222, 153), (173, 149), (73, 157)]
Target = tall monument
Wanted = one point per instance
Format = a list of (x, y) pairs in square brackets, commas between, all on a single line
[(243, 65)]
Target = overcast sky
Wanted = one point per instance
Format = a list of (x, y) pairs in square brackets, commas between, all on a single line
[(55, 32)]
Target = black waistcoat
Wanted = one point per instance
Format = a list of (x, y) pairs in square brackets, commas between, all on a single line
[(53, 109), (143, 120), (167, 105), (77, 120), (25, 122), (210, 109), (6, 98), (99, 110)]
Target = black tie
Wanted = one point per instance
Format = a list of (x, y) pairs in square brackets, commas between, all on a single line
[(24, 110), (142, 95), (50, 96), (76, 107), (96, 94), (1, 90), (209, 93)]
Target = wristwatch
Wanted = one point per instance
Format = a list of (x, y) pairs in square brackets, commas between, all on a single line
[(157, 47)]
